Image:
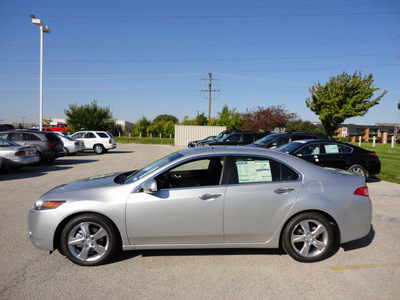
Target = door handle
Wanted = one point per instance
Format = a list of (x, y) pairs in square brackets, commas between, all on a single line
[(209, 196), (283, 191)]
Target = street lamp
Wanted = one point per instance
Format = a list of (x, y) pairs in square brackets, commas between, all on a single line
[(43, 29)]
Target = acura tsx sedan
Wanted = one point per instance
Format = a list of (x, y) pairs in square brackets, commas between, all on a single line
[(211, 197)]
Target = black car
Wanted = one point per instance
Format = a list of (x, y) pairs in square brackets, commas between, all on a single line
[(207, 139), (6, 127), (237, 138), (220, 136), (328, 153), (282, 138)]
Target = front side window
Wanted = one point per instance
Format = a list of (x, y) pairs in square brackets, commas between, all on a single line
[(310, 149), (256, 170), (195, 173)]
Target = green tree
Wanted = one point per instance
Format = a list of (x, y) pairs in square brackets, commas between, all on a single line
[(300, 125), (89, 117), (166, 118), (229, 118), (342, 97), (141, 126)]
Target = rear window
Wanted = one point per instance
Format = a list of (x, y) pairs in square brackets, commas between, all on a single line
[(102, 135), (52, 137)]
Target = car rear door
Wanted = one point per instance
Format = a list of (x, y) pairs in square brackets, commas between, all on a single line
[(259, 195), (335, 155)]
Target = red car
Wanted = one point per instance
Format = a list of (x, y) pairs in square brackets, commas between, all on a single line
[(59, 127)]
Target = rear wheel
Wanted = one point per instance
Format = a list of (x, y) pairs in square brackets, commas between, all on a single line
[(308, 237), (357, 169), (99, 149), (89, 240)]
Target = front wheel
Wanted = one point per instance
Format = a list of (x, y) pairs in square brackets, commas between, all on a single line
[(308, 237), (99, 149), (89, 240)]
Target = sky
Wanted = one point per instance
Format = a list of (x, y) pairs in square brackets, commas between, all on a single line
[(149, 57)]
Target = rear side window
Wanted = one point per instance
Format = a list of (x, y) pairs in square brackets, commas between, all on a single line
[(90, 135), (31, 137), (336, 148), (255, 170), (102, 135), (52, 137)]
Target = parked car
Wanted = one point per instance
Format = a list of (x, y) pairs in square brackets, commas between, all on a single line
[(6, 127), (210, 197), (17, 156), (237, 138), (71, 145), (207, 139), (328, 153), (220, 135), (99, 141), (275, 140), (59, 127), (49, 146)]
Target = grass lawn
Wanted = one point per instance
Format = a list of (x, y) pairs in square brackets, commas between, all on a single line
[(390, 160), (143, 140)]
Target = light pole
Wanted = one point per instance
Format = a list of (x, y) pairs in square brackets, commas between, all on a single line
[(43, 29)]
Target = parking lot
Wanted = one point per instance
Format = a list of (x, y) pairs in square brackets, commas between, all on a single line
[(365, 269)]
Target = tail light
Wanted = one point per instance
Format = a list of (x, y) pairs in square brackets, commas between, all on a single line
[(110, 141), (76, 143), (20, 153), (362, 191), (373, 154), (52, 144)]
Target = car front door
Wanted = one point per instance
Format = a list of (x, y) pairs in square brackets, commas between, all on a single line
[(186, 209), (259, 195), (310, 152)]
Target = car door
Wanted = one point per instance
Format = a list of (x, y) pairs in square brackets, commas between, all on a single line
[(186, 209), (89, 140), (335, 155), (310, 152), (259, 195)]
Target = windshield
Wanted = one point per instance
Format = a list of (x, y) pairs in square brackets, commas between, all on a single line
[(265, 140), (136, 175), (288, 148)]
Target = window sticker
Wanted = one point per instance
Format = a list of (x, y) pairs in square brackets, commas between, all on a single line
[(331, 148), (254, 171)]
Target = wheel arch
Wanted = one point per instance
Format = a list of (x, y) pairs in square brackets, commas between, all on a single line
[(63, 223), (322, 213)]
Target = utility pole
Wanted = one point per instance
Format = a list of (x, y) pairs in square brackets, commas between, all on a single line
[(210, 91)]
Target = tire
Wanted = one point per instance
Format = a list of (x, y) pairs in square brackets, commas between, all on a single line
[(357, 169), (66, 151), (99, 149), (308, 237), (89, 240)]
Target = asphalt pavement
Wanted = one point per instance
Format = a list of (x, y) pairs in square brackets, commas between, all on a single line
[(364, 269)]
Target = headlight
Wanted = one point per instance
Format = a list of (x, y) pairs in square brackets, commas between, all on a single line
[(41, 205)]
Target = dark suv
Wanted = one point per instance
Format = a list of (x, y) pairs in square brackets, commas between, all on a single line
[(278, 139), (48, 144), (237, 138)]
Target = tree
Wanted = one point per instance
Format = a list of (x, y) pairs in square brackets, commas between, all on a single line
[(267, 119), (342, 97), (140, 127), (299, 125), (229, 118), (166, 118), (89, 117)]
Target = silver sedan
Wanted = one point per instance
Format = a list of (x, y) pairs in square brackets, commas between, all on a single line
[(16, 156), (71, 145), (212, 197)]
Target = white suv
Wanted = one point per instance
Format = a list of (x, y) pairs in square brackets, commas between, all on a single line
[(99, 141)]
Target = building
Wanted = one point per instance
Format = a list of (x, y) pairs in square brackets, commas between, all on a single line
[(382, 131)]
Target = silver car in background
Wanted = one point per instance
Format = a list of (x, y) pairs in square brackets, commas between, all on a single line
[(71, 145), (14, 155), (211, 197)]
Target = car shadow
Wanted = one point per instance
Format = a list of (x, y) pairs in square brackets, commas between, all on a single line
[(92, 153), (63, 162), (372, 179), (360, 243), (125, 255), (29, 172)]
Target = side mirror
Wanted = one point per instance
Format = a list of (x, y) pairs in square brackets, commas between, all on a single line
[(299, 154), (150, 186)]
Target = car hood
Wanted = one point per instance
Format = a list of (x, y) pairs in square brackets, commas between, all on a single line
[(106, 180)]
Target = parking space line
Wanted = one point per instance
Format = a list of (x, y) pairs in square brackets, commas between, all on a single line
[(382, 205), (366, 266)]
